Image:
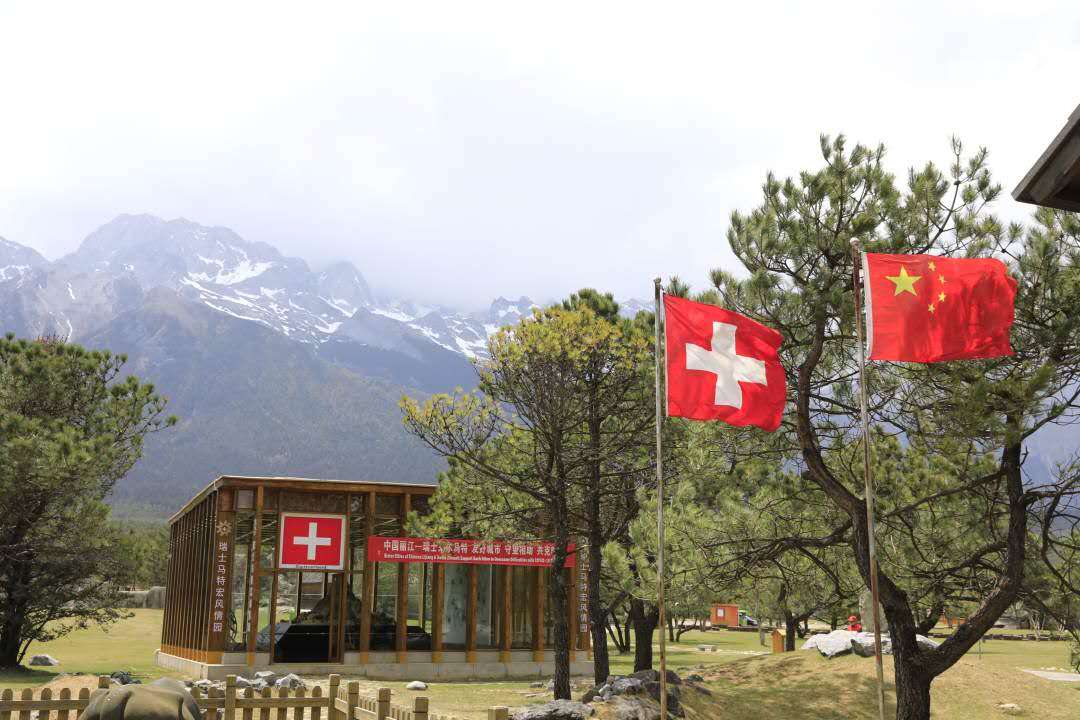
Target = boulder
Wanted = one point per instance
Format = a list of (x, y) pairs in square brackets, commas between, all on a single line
[(155, 597), (654, 676), (634, 708), (44, 660), (554, 710), (123, 677), (1011, 709), (694, 677), (863, 644), (292, 681), (838, 642), (866, 613), (416, 685), (164, 699), (926, 643)]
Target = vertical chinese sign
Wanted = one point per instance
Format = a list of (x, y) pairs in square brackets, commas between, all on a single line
[(220, 572), (583, 601)]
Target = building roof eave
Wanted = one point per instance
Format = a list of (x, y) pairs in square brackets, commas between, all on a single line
[(1054, 179)]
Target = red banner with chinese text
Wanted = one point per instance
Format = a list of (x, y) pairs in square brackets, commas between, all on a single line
[(468, 552)]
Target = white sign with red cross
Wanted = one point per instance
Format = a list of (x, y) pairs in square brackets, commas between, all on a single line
[(312, 541)]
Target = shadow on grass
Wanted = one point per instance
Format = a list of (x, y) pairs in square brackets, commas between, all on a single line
[(789, 688), (24, 676)]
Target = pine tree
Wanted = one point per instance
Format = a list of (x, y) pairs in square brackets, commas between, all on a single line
[(70, 428)]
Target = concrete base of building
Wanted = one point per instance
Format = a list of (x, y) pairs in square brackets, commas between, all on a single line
[(522, 664)]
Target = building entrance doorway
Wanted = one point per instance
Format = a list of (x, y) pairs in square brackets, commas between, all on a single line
[(309, 617)]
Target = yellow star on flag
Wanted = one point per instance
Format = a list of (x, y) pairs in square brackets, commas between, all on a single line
[(904, 282)]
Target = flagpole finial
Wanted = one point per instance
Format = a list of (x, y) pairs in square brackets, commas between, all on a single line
[(657, 281), (855, 244)]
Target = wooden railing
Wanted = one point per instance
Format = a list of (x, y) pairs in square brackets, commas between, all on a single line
[(340, 702)]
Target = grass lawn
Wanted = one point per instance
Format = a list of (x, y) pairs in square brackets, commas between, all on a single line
[(127, 645), (744, 685)]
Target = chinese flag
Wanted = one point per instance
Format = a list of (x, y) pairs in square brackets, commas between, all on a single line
[(924, 308), (722, 366)]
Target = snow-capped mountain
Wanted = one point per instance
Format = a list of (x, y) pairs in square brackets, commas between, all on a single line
[(272, 367), (251, 281)]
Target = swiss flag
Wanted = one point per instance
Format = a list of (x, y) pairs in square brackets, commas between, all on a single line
[(722, 366), (312, 542)]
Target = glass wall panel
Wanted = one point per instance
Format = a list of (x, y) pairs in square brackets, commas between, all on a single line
[(354, 592), (268, 541), (487, 625), (455, 606), (308, 606), (520, 607), (384, 609), (237, 628), (357, 529), (421, 576), (263, 638)]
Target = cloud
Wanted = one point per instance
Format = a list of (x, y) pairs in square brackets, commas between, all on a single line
[(457, 151)]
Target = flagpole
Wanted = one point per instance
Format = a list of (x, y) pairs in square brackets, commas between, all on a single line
[(856, 254), (660, 509)]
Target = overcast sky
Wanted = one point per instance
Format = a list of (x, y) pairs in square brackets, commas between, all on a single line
[(458, 151)]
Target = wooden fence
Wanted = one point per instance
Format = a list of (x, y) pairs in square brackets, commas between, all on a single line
[(340, 702)]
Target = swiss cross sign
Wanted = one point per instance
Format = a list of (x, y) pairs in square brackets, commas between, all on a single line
[(312, 542)]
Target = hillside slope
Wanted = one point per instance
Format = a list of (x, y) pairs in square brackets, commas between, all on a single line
[(250, 401)]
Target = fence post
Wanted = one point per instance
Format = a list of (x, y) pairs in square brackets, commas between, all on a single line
[(230, 697), (499, 713), (383, 708), (420, 708), (103, 682), (352, 700), (331, 700)]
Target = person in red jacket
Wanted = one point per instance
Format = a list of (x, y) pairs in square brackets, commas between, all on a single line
[(853, 623)]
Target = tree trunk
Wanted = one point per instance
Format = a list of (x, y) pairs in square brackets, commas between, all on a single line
[(558, 588), (912, 690), (10, 645), (644, 626), (670, 629), (789, 631), (597, 611)]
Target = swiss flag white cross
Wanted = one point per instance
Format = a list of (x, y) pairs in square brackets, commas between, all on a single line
[(729, 367), (312, 540)]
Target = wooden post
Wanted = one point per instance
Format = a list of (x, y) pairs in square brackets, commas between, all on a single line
[(498, 713), (230, 697), (539, 591), (420, 709), (504, 620), (383, 707), (352, 699), (103, 682), (438, 587), (402, 633), (368, 600), (470, 616), (871, 548), (332, 687)]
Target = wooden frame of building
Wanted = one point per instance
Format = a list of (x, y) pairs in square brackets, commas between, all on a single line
[(1054, 179), (232, 608)]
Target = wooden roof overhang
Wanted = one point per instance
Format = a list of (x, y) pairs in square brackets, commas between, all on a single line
[(1054, 180), (302, 484)]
